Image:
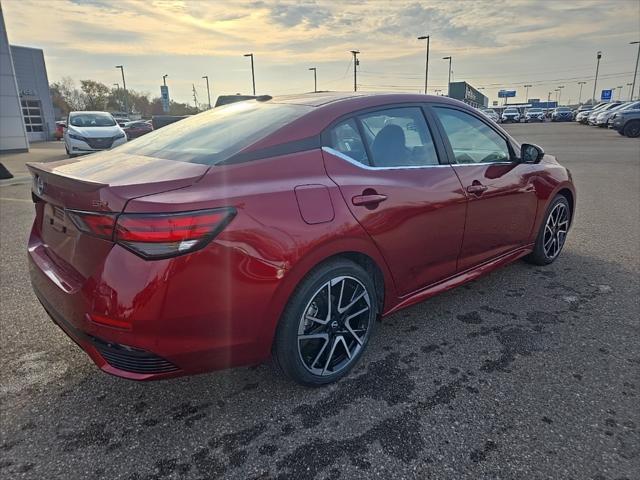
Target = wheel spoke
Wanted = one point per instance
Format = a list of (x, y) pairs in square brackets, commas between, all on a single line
[(333, 349), (346, 347), (352, 302)]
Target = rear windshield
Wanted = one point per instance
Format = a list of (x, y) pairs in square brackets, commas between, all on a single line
[(511, 110), (217, 134), (563, 109), (535, 110), (92, 120)]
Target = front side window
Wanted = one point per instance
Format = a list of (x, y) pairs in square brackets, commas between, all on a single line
[(472, 140), (399, 137), (344, 137)]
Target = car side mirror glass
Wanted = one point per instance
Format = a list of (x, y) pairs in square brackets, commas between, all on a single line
[(530, 153)]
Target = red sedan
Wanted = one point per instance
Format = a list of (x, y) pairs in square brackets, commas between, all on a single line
[(284, 227)]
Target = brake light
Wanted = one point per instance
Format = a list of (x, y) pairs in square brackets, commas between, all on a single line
[(94, 223), (155, 236)]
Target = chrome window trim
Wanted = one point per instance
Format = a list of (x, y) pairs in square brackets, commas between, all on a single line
[(347, 158)]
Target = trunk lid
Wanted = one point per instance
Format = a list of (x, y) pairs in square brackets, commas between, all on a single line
[(103, 182)]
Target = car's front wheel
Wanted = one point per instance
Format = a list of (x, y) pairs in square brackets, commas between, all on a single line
[(327, 323), (552, 234)]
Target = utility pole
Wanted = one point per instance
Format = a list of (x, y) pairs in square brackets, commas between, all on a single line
[(635, 72), (206, 77), (164, 79), (560, 93), (527, 94), (356, 62), (580, 97), (315, 79), (124, 88), (449, 82), (253, 73), (595, 82), (426, 64)]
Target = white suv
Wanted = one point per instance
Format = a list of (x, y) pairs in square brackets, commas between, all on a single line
[(89, 132)]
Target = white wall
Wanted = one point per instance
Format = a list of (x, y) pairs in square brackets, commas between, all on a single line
[(13, 136)]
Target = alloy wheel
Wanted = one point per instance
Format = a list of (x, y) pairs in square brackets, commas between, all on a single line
[(555, 230), (333, 327)]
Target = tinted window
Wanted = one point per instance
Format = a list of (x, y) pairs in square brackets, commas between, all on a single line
[(92, 120), (217, 134), (345, 138), (472, 140), (399, 137)]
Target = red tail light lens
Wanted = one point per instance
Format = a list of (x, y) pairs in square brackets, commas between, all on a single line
[(155, 236), (94, 223)]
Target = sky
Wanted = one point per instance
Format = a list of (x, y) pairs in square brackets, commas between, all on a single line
[(497, 44)]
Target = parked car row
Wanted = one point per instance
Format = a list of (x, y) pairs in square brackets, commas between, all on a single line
[(534, 114), (624, 117)]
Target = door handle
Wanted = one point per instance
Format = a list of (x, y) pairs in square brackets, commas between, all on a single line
[(368, 200), (477, 188)]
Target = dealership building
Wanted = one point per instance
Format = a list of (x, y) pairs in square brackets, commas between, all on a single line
[(26, 110), (469, 95)]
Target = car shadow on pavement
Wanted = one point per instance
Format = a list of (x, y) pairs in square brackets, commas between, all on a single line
[(528, 369)]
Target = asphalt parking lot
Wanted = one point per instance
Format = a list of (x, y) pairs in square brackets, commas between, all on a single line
[(527, 373)]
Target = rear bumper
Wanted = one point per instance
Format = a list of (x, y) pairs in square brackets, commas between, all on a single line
[(184, 318)]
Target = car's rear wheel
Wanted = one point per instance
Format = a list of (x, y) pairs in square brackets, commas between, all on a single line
[(552, 234), (632, 129), (327, 323)]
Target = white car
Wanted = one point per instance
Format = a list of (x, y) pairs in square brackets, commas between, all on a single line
[(511, 114), (89, 132), (488, 112)]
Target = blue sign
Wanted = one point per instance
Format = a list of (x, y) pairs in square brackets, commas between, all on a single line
[(606, 95), (164, 97), (506, 93)]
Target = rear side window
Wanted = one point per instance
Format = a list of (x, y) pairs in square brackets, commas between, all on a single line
[(399, 137), (344, 137), (217, 134)]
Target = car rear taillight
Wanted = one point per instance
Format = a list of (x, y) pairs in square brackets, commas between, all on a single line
[(156, 235), (94, 223)]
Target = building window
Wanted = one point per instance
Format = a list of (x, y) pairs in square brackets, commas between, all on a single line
[(32, 113)]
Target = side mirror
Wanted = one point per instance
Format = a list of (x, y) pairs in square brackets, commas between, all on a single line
[(530, 153)]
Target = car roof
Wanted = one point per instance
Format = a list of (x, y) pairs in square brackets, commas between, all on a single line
[(321, 99)]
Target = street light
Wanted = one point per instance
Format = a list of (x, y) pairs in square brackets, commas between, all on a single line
[(527, 94), (635, 72), (449, 83), (630, 90), (557, 101), (124, 88), (315, 79), (619, 87), (560, 87), (356, 62), (206, 77), (426, 64), (117, 85), (253, 75), (580, 96), (164, 79), (595, 82)]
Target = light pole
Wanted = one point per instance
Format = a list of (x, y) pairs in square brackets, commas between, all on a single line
[(253, 75), (619, 87), (426, 64), (557, 101), (635, 72), (449, 82), (560, 93), (595, 82), (315, 79), (527, 94), (548, 102), (124, 88), (164, 79), (206, 77), (355, 69), (438, 91), (630, 91), (580, 96)]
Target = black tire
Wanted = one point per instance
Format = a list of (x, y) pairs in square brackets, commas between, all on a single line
[(286, 352), (632, 129), (539, 255)]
